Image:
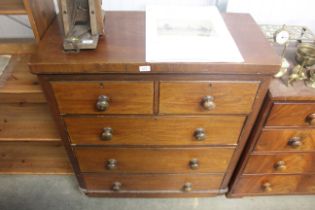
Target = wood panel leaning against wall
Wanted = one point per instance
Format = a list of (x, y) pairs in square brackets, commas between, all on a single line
[(29, 141)]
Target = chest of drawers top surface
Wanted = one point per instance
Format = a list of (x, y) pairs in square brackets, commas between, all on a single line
[(297, 92), (122, 50)]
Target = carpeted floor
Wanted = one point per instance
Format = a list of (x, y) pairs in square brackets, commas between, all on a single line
[(31, 192)]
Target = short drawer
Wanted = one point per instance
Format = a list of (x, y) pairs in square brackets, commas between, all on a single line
[(295, 114), (201, 130), (281, 163), (286, 140), (207, 97), (275, 184), (153, 183), (153, 160), (108, 97)]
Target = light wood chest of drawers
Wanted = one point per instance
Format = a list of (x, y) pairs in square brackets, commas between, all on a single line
[(281, 152), (175, 131)]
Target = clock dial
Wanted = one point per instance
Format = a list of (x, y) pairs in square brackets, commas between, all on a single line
[(281, 37)]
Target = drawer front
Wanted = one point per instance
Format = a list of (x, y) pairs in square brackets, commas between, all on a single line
[(292, 115), (275, 184), (123, 97), (155, 131), (281, 163), (286, 140), (153, 160), (207, 97), (153, 183)]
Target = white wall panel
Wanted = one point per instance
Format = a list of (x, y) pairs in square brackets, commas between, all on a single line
[(290, 12), (140, 4), (12, 29)]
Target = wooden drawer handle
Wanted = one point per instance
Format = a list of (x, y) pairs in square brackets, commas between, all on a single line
[(208, 103), (194, 164), (310, 119), (187, 187), (116, 186), (102, 103), (111, 164), (266, 187), (107, 134), (280, 165), (295, 142), (200, 134)]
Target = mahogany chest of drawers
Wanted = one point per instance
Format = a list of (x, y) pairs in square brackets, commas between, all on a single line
[(280, 155), (177, 130)]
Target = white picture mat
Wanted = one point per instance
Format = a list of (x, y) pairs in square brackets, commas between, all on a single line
[(220, 47)]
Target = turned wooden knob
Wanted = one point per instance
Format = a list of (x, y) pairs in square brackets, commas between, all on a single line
[(295, 142), (310, 119), (187, 187), (266, 187), (111, 164), (194, 163), (208, 103), (280, 165), (116, 186), (200, 134), (102, 103), (107, 134)]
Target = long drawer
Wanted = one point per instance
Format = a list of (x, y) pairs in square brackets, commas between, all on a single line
[(293, 114), (153, 182), (286, 140), (281, 163), (275, 184), (207, 97), (109, 97), (153, 160), (155, 130)]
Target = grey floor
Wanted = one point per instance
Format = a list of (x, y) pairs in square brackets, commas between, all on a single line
[(31, 192)]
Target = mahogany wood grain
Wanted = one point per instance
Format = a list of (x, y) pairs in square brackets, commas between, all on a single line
[(277, 140), (153, 182), (297, 92), (33, 158), (155, 130), (291, 114), (280, 185), (147, 194), (186, 97), (119, 52), (62, 131), (153, 160), (248, 127), (21, 85), (294, 163), (118, 58), (268, 151), (27, 122), (125, 97)]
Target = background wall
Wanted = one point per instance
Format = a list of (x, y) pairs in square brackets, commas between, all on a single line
[(301, 12), (290, 12), (140, 4)]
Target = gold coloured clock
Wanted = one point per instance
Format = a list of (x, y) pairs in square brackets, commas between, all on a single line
[(282, 37)]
